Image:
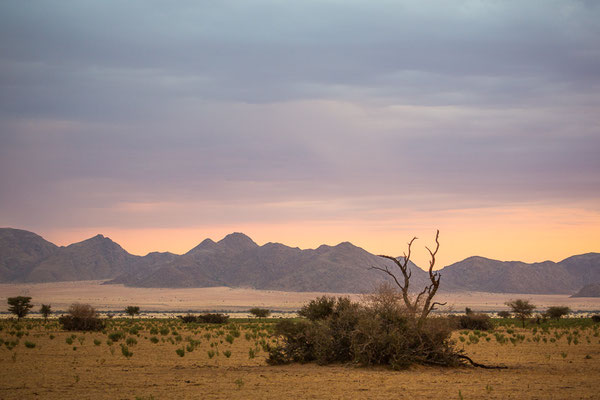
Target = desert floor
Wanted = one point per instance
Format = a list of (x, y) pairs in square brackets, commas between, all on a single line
[(82, 369), (115, 297)]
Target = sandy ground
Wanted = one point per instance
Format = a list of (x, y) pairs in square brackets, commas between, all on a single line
[(115, 297), (54, 370)]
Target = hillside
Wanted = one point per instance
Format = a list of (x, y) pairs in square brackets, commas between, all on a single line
[(591, 290), (486, 275)]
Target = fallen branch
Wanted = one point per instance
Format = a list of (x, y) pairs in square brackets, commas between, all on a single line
[(475, 364)]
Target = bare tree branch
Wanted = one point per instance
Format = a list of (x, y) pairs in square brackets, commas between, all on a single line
[(422, 304)]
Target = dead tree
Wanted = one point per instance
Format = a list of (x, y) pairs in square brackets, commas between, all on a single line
[(421, 305)]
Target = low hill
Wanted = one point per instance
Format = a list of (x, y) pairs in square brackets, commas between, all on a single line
[(592, 290), (486, 275)]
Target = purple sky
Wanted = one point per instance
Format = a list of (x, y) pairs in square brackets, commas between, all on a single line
[(365, 120)]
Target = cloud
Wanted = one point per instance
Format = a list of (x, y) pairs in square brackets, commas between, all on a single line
[(149, 114)]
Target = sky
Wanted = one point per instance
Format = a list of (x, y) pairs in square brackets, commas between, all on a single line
[(159, 124)]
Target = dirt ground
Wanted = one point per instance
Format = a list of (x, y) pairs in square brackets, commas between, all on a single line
[(55, 369), (115, 297)]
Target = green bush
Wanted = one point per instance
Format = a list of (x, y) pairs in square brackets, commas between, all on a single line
[(116, 336), (378, 333), (125, 351), (319, 308), (213, 318), (189, 318), (71, 323), (474, 321), (260, 312), (131, 341)]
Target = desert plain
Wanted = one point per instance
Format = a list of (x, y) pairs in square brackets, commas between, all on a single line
[(49, 363), (116, 297), (167, 359)]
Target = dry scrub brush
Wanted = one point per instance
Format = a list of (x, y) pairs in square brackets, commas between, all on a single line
[(380, 331), (82, 317), (392, 327)]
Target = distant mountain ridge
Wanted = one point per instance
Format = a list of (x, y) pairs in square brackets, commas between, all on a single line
[(237, 261)]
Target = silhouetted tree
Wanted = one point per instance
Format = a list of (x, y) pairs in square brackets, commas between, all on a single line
[(45, 310), (19, 306), (132, 310), (521, 308)]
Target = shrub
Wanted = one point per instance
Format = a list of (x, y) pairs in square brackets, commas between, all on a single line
[(205, 318), (504, 314), (82, 317), (180, 352), (380, 332), (71, 323), (260, 312), (131, 341), (596, 318), (474, 321), (116, 336), (79, 310), (319, 308), (556, 312), (213, 318), (189, 318), (125, 351), (29, 345)]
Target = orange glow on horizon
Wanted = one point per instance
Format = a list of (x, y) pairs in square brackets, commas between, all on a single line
[(523, 234)]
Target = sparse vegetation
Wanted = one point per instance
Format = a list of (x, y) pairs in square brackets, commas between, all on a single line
[(215, 318)]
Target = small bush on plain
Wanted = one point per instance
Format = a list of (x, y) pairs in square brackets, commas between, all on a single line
[(380, 332)]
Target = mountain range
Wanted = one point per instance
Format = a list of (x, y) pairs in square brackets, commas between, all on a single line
[(237, 261)]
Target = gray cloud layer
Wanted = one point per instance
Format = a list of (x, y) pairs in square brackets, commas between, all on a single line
[(232, 102)]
